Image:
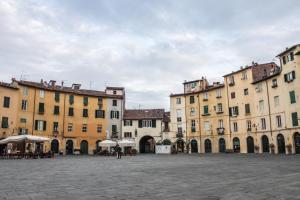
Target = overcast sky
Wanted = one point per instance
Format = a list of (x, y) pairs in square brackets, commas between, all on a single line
[(148, 47)]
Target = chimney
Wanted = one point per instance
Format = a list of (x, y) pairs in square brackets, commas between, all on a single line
[(62, 83), (52, 83), (76, 86), (42, 81)]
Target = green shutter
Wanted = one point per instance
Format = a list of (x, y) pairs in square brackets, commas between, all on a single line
[(292, 97), (154, 123), (4, 122), (295, 119), (56, 97), (71, 99), (205, 109), (85, 101)]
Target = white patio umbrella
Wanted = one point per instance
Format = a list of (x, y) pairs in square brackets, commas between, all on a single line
[(126, 143), (107, 143), (23, 138)]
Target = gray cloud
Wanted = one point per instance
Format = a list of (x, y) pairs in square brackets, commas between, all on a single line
[(150, 47)]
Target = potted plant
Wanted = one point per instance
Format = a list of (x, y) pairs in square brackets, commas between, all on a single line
[(256, 148), (272, 147), (289, 148)]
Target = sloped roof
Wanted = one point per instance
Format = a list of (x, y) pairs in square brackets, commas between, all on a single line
[(8, 85), (144, 114)]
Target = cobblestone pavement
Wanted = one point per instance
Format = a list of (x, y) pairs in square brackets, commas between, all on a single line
[(229, 176)]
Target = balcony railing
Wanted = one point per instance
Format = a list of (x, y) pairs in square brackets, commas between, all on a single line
[(220, 131)]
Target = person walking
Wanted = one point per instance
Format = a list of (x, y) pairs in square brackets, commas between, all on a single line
[(119, 152)]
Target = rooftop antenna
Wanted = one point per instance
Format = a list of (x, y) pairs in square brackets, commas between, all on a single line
[(23, 76), (140, 106)]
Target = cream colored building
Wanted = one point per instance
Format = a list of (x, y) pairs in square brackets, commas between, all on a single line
[(146, 128), (260, 105)]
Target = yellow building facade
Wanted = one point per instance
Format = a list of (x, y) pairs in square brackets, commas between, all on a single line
[(74, 119), (260, 109)]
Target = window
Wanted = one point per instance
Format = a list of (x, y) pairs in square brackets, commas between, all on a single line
[(193, 112), (220, 123), (25, 91), (114, 129), (193, 126), (71, 111), (295, 119), (23, 120), (244, 75), (179, 114), (249, 125), (219, 108), (85, 101), (276, 101), (4, 123), (193, 85), (278, 121), (179, 130), (100, 101), (263, 123), (246, 92), (235, 127), (42, 94), (205, 110), (284, 60), (247, 109), (40, 125), (71, 99), (24, 105), (231, 80), (55, 126), (99, 128), (178, 100), (232, 95), (128, 135), (85, 112), (234, 111), (258, 88), (127, 122), (274, 83), (292, 97), (289, 77), (99, 114), (56, 110), (114, 102), (218, 93), (56, 96), (114, 114), (70, 127), (192, 99), (41, 108), (84, 127), (207, 126), (179, 119), (23, 131), (6, 102), (147, 123), (291, 56), (205, 96), (114, 92), (261, 105)]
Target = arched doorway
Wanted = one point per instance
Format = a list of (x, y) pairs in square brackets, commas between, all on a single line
[(265, 144), (84, 147), (222, 145), (280, 143), (250, 144), (166, 142), (55, 146), (297, 142), (236, 145), (147, 144), (69, 147), (194, 146), (207, 145), (180, 146)]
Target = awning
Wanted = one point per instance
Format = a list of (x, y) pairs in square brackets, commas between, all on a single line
[(126, 143), (23, 138), (107, 143)]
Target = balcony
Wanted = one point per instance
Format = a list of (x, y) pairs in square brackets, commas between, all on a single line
[(114, 136), (220, 131), (231, 83)]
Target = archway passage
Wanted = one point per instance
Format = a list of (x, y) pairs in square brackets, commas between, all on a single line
[(280, 143), (180, 146), (147, 144), (69, 147), (84, 147), (194, 146), (55, 146), (222, 145), (250, 144), (265, 144), (297, 142), (236, 145), (207, 145)]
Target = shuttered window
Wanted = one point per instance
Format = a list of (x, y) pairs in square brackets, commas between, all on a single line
[(247, 109), (71, 99), (292, 97), (295, 119), (205, 108), (99, 114), (71, 111), (56, 96), (6, 102), (85, 101), (56, 110), (85, 113), (4, 122), (41, 108)]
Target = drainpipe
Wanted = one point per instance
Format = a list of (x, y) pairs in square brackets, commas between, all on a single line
[(269, 109), (64, 115), (199, 123), (228, 107), (186, 123)]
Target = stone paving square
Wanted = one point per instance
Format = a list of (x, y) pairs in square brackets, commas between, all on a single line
[(215, 176)]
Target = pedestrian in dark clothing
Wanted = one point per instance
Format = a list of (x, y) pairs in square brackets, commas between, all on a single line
[(119, 152)]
